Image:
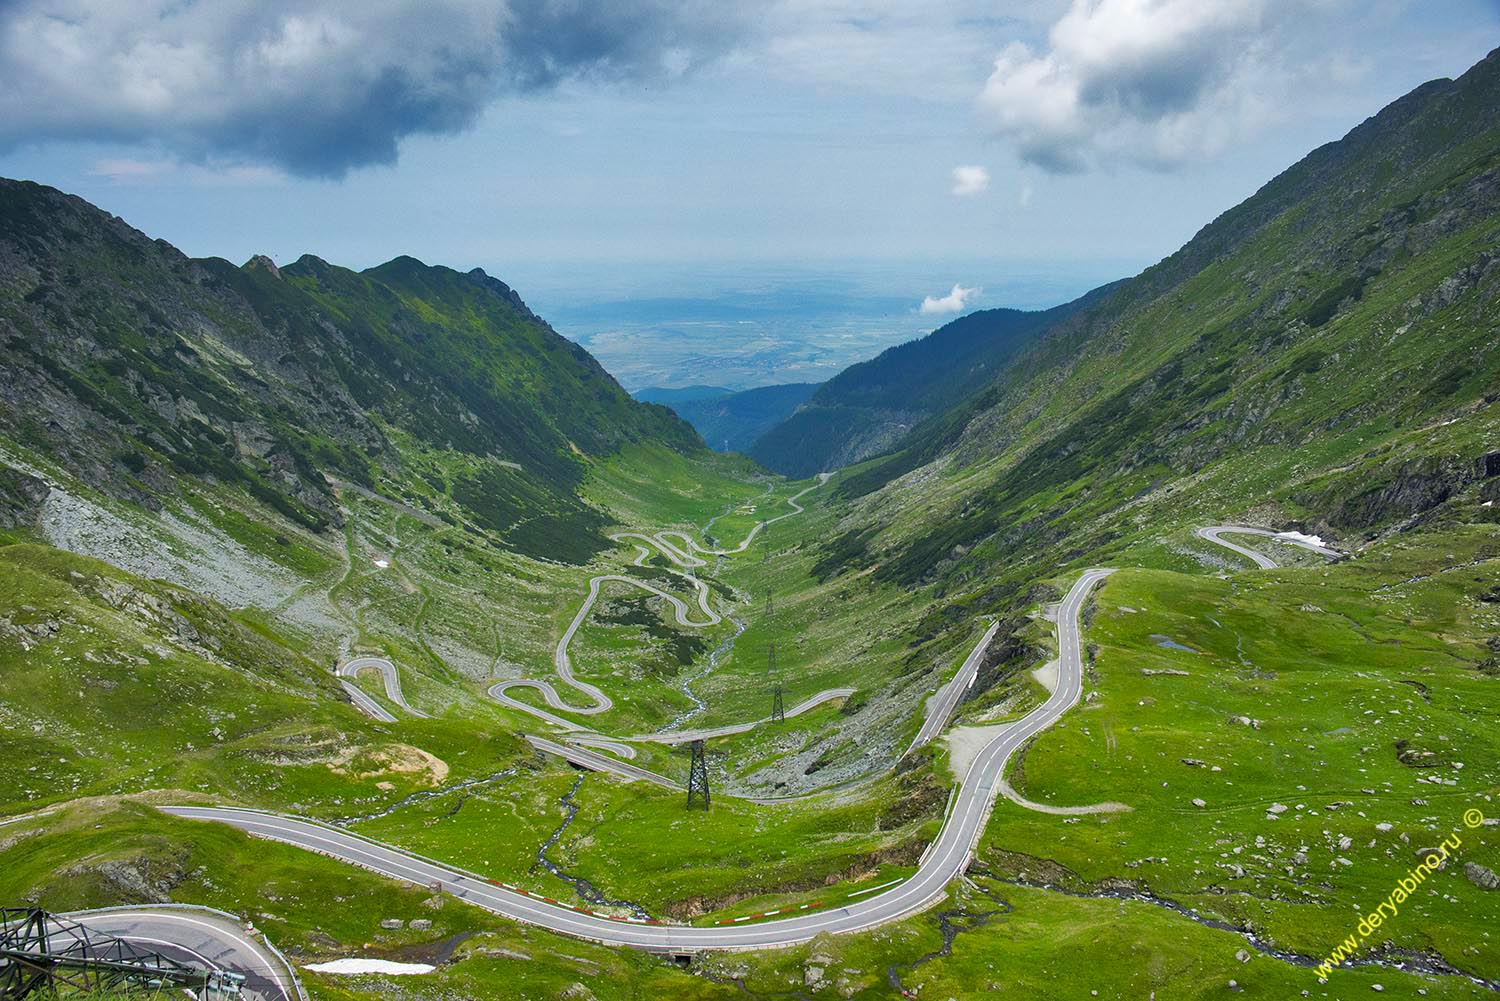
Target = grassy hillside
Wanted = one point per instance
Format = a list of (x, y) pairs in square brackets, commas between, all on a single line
[(1323, 356), (115, 685), (1324, 353), (132, 366)]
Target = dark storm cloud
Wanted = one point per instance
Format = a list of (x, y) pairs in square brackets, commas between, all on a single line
[(319, 87)]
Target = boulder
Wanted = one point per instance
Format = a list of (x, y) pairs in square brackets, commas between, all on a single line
[(1481, 876)]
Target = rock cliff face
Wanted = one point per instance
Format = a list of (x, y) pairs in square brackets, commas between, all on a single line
[(21, 496), (131, 365)]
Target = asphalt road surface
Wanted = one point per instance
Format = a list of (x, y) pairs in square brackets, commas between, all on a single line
[(942, 704), (596, 762), (365, 704), (208, 940), (563, 664), (688, 736), (609, 744), (1212, 534), (388, 673), (684, 555), (945, 858)]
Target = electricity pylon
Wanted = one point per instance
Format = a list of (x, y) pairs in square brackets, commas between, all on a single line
[(697, 778)]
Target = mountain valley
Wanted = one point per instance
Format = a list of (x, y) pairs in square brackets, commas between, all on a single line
[(381, 557)]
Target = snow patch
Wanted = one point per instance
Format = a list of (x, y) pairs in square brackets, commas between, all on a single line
[(370, 966), (1312, 540)]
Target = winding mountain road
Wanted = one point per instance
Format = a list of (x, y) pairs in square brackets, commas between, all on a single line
[(365, 703), (683, 556), (688, 736), (1212, 534), (942, 703), (388, 673), (944, 859), (563, 664), (211, 940), (596, 762)]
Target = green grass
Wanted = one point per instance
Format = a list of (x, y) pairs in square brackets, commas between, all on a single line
[(637, 842), (78, 859), (1337, 672), (649, 486), (183, 696), (313, 908)]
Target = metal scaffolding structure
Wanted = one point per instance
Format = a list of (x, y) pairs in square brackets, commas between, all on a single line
[(42, 953)]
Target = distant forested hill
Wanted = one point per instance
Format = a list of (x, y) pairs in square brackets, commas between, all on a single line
[(868, 408), (730, 421)]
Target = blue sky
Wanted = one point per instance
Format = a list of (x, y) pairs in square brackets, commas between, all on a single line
[(589, 151)]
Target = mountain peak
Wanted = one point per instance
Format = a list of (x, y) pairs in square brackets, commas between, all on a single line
[(504, 291), (263, 262)]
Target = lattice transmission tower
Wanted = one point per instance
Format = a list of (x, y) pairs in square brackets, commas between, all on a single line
[(697, 778), (778, 707)]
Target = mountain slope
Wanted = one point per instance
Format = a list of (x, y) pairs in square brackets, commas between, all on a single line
[(1325, 352), (1324, 356), (149, 365), (669, 397), (733, 421), (869, 407)]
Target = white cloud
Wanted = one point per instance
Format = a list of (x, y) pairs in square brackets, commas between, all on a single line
[(954, 302), (1156, 82), (316, 87), (970, 180), (1027, 193), (127, 170), (887, 47)]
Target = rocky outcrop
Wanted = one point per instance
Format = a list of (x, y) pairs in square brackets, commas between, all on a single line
[(1403, 489), (21, 497)]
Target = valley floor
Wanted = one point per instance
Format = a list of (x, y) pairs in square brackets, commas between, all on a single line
[(1283, 743)]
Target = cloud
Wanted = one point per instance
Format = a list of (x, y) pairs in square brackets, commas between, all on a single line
[(318, 87), (970, 181), (1156, 82), (885, 47), (127, 171), (954, 302)]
